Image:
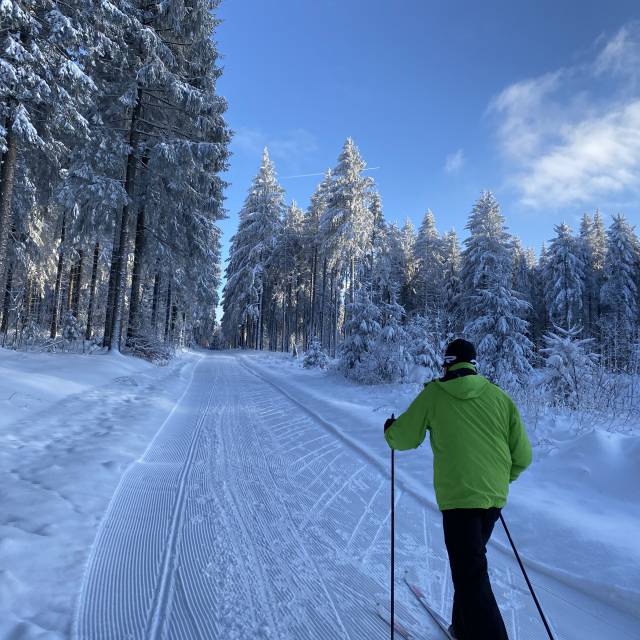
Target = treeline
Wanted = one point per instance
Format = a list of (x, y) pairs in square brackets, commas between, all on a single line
[(112, 141), (338, 278)]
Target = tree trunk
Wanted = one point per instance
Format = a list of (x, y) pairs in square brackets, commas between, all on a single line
[(7, 301), (92, 291), (335, 321), (7, 181), (56, 292), (77, 284), (167, 313), (108, 316), (259, 331), (154, 306), (26, 306), (310, 333), (122, 256), (323, 302), (172, 328), (287, 317), (134, 303), (352, 277), (296, 321)]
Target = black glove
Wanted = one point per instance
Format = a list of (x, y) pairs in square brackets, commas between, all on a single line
[(389, 422)]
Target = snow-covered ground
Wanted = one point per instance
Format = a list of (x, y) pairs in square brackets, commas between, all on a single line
[(574, 514), (69, 426), (258, 506)]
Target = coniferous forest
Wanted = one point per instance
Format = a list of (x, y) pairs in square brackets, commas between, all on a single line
[(112, 141), (338, 280)]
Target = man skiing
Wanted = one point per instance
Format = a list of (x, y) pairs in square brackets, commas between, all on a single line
[(479, 446)]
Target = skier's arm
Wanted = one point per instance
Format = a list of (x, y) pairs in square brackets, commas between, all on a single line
[(409, 429), (518, 444)]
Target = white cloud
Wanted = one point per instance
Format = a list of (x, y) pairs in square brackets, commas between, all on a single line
[(292, 147), (596, 158), (454, 162), (572, 136), (621, 53)]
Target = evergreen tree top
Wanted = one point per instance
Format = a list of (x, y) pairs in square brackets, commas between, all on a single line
[(486, 218)]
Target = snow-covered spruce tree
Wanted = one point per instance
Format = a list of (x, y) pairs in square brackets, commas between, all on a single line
[(44, 89), (363, 329), (564, 278), (540, 315), (390, 267), (346, 226), (71, 330), (493, 311), (619, 293), (316, 258), (424, 346), (377, 243), (160, 121), (569, 366), (451, 288), (287, 264), (406, 290), (593, 246), (523, 265), (392, 358), (315, 357), (250, 255), (428, 274)]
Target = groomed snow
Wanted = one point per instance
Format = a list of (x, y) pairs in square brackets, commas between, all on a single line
[(574, 514), (69, 426), (237, 495)]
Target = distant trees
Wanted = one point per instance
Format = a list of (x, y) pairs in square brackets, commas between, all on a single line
[(564, 277), (494, 313), (338, 279), (619, 293), (252, 270), (112, 141)]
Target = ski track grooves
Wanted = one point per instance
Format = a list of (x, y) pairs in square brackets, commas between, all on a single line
[(162, 604), (248, 516)]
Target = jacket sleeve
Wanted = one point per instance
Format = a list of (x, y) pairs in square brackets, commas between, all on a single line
[(409, 430), (518, 444)]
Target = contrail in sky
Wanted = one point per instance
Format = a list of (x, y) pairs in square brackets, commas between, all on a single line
[(309, 175)]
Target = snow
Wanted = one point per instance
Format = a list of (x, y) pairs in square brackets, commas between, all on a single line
[(573, 514), (239, 495), (69, 426)]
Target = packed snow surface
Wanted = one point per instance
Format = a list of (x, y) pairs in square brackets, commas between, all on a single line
[(235, 495)]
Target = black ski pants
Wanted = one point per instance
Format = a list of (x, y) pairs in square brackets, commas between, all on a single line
[(476, 615)]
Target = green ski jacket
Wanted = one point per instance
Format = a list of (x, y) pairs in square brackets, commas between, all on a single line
[(478, 440)]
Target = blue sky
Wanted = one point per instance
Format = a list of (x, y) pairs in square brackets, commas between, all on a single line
[(537, 101)]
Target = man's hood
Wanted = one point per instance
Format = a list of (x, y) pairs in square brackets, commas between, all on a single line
[(466, 387)]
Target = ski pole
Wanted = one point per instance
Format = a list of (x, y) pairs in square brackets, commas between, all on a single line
[(393, 542), (526, 577)]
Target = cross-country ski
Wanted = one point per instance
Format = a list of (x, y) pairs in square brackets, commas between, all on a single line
[(435, 616), (399, 627), (319, 320)]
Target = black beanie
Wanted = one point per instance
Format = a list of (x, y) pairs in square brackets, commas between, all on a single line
[(459, 351)]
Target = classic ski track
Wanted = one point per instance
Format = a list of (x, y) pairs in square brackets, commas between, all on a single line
[(162, 605), (292, 527)]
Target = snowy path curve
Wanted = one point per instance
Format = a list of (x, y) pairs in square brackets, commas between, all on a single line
[(247, 517)]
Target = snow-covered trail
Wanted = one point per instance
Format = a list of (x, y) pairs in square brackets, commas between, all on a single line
[(247, 517)]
